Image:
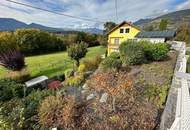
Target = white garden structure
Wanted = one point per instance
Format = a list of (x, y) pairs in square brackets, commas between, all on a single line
[(182, 115)]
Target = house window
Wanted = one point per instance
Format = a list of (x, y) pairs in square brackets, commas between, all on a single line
[(121, 30), (127, 30), (116, 41)]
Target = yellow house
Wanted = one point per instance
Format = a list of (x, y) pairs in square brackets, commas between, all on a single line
[(119, 34)]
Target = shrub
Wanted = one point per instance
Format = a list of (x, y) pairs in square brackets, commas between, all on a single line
[(10, 89), (69, 73), (54, 84), (74, 81), (132, 53), (31, 41), (77, 51), (10, 56), (12, 115), (19, 76), (156, 52), (111, 63), (61, 112), (92, 64), (188, 65), (82, 68), (33, 100), (115, 55)]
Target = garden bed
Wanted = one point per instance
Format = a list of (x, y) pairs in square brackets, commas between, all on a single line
[(141, 105)]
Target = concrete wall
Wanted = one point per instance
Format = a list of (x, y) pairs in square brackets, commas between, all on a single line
[(168, 115)]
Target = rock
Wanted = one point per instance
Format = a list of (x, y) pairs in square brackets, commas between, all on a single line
[(84, 86), (104, 98), (91, 96), (83, 91)]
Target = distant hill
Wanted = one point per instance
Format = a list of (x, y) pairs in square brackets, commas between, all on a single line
[(175, 19), (91, 30), (9, 24)]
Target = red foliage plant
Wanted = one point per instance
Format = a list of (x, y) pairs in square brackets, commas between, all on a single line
[(12, 59), (54, 84)]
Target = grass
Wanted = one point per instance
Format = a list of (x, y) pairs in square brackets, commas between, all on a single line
[(53, 64)]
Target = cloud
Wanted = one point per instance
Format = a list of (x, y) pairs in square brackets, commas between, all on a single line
[(99, 10), (185, 5)]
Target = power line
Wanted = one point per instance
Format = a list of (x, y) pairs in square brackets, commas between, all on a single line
[(116, 13), (50, 11)]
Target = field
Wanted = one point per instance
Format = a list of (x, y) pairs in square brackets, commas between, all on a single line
[(53, 64)]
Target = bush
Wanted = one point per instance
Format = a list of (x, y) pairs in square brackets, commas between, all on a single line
[(10, 89), (55, 84), (69, 73), (111, 63), (92, 64), (132, 53), (115, 55), (82, 68), (12, 115), (77, 51), (156, 52), (35, 41), (188, 65), (19, 76), (10, 56), (33, 100), (74, 81), (62, 112)]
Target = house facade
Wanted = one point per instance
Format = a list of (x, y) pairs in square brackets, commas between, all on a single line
[(119, 34)]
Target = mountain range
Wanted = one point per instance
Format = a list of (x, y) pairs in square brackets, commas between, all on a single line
[(175, 19), (10, 24)]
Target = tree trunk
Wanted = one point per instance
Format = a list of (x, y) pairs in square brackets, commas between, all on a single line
[(78, 63)]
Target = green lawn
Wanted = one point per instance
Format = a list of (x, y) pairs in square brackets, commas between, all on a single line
[(53, 64)]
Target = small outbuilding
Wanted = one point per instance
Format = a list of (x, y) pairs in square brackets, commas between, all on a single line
[(156, 36)]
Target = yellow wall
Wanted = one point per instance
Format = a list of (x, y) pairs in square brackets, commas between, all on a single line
[(122, 36)]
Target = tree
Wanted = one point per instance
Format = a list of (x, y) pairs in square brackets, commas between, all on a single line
[(108, 26), (77, 51), (149, 28), (102, 40), (81, 36), (10, 56), (163, 24), (35, 41), (183, 33)]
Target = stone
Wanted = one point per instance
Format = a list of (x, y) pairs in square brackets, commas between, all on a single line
[(104, 97), (84, 86), (90, 97)]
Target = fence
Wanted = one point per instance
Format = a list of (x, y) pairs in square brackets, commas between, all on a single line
[(182, 114)]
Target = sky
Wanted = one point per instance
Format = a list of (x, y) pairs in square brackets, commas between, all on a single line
[(97, 10)]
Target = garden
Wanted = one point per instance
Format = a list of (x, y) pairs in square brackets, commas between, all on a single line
[(124, 91)]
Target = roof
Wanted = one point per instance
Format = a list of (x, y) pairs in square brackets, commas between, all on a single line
[(156, 34), (121, 24)]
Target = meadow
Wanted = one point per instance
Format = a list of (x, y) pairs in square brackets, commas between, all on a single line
[(53, 64)]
